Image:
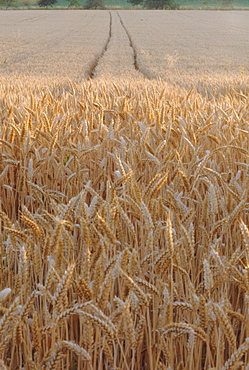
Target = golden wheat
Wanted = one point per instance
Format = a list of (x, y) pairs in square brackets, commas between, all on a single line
[(124, 225)]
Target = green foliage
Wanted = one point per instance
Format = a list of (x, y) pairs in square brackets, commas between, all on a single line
[(94, 4), (73, 3), (135, 2), (155, 4), (7, 3), (46, 3), (26, 2), (227, 2), (159, 4)]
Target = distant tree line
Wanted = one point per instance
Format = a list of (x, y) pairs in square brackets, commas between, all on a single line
[(95, 4), (89, 4), (100, 4), (7, 3), (155, 4)]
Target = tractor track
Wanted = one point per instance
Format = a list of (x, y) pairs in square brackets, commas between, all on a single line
[(45, 41), (131, 43), (137, 66), (90, 73)]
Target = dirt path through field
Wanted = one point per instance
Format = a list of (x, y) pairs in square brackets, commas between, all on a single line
[(119, 57), (91, 71)]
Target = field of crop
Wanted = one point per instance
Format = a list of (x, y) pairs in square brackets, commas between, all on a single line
[(124, 177), (150, 44)]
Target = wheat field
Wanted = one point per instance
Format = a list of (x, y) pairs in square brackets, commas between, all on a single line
[(123, 199)]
